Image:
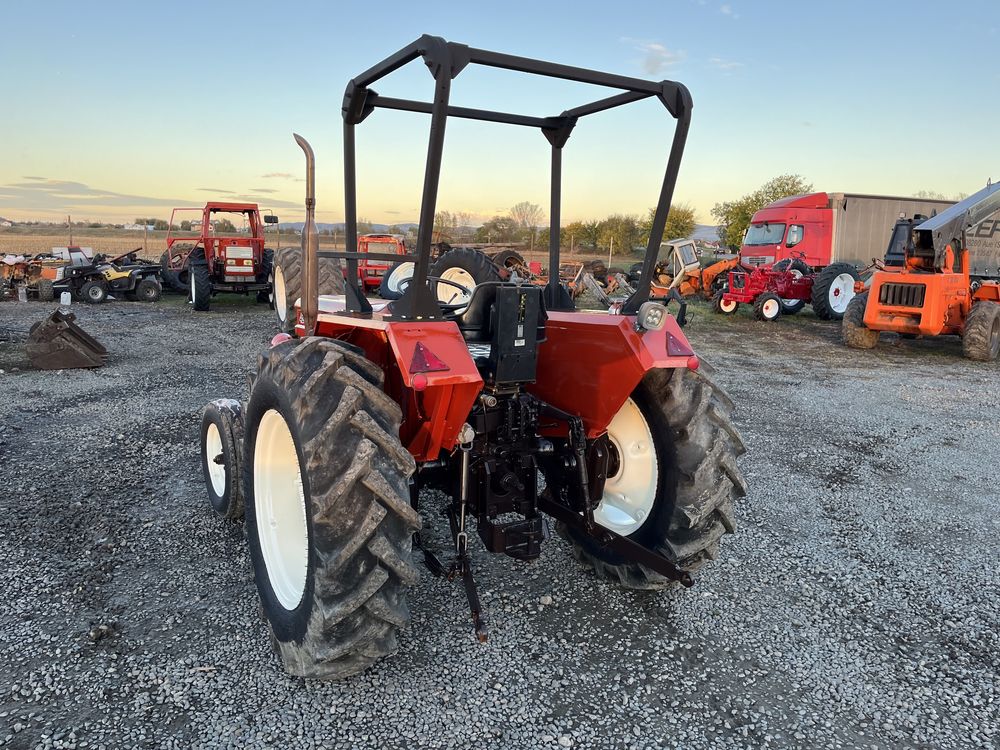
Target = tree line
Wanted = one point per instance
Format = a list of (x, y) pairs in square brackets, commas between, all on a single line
[(525, 223)]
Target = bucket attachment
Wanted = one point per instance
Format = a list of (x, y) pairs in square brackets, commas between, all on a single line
[(57, 343)]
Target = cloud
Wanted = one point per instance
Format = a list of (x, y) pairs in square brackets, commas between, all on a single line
[(42, 194), (391, 212), (657, 58), (30, 177), (722, 64), (215, 190), (264, 190), (278, 176), (727, 10)]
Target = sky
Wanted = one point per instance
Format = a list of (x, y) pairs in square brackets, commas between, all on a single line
[(114, 110)]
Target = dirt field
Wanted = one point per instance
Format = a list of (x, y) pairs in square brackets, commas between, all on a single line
[(857, 606)]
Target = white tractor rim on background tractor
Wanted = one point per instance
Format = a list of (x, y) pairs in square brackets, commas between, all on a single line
[(771, 308), (401, 273), (279, 294), (213, 449), (192, 286), (630, 493), (727, 305), (796, 274), (841, 292), (451, 295), (280, 510)]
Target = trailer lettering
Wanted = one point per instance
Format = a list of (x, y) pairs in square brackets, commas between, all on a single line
[(987, 228)]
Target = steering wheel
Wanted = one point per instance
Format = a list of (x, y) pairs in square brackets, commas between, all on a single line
[(447, 306)]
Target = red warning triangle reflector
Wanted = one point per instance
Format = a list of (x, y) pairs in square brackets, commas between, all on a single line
[(677, 348), (424, 360)]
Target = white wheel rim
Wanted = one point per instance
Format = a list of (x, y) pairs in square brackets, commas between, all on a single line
[(728, 306), (629, 495), (280, 510), (770, 308), (192, 286), (399, 274), (279, 294), (95, 292), (453, 295), (213, 449), (841, 292), (796, 274)]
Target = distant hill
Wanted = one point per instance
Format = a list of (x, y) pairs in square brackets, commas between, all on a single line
[(705, 233), (339, 227)]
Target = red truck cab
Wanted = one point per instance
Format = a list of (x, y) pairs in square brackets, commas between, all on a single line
[(796, 227), (371, 271)]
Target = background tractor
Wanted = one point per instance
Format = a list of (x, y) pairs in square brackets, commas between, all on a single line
[(220, 250), (941, 276), (480, 392)]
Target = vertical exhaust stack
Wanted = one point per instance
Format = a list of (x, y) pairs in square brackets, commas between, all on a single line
[(310, 243)]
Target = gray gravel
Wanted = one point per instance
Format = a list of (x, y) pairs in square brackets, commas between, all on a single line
[(856, 607)]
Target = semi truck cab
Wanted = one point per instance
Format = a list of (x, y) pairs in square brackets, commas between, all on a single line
[(795, 227)]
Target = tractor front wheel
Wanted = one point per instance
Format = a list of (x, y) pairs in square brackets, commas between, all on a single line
[(672, 479), (221, 443), (200, 282), (767, 307), (329, 520), (722, 306), (981, 338), (853, 329)]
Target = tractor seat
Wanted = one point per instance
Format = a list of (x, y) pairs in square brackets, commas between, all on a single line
[(477, 321)]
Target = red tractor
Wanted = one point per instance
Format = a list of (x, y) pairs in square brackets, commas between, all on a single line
[(503, 396), (370, 270), (221, 249)]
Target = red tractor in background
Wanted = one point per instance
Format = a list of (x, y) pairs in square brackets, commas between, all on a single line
[(221, 251), (476, 392), (370, 271)]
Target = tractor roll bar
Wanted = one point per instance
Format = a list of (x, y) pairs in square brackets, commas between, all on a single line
[(445, 61)]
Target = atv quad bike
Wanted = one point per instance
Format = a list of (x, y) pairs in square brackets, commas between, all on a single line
[(484, 396), (124, 275)]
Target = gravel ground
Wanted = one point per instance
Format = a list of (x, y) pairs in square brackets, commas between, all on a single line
[(856, 607)]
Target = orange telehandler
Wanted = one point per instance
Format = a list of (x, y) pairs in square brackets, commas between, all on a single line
[(940, 277)]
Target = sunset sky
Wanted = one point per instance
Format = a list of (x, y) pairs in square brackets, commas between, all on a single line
[(113, 110)]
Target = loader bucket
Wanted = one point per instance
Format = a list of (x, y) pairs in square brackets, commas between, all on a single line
[(57, 343)]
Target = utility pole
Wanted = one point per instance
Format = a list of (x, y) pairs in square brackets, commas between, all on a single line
[(69, 223), (611, 250)]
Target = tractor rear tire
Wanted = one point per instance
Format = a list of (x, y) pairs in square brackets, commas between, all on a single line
[(853, 329), (392, 286), (330, 278), (798, 269), (981, 338), (328, 515), (45, 290), (722, 307), (286, 286), (148, 290), (201, 282), (178, 280), (94, 292), (767, 307), (508, 259), (221, 443), (695, 447), (463, 266), (833, 290)]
